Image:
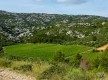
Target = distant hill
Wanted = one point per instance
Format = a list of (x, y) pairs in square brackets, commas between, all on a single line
[(53, 28)]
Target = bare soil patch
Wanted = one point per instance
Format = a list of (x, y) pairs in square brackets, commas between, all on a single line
[(6, 74)]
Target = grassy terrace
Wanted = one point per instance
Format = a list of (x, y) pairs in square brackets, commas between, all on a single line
[(43, 51)]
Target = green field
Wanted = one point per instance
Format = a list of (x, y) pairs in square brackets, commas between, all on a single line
[(43, 51)]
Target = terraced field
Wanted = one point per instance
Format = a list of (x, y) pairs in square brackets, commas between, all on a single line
[(43, 51)]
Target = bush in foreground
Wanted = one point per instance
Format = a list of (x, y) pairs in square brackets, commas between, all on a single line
[(25, 67), (55, 70), (5, 63), (101, 63)]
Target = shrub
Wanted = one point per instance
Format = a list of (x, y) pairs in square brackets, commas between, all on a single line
[(59, 57), (25, 67), (77, 74), (95, 50), (102, 63), (58, 69), (5, 63), (100, 76), (1, 50), (75, 60), (97, 62)]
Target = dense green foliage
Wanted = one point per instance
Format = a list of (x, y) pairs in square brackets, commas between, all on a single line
[(1, 48), (53, 28), (102, 62)]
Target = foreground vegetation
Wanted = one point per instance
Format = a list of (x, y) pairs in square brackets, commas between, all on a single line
[(56, 62)]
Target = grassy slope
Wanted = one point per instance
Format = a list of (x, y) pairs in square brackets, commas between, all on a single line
[(43, 51), (91, 56)]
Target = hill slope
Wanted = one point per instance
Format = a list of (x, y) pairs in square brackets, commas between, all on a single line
[(52, 28)]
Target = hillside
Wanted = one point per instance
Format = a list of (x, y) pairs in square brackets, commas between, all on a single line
[(52, 28)]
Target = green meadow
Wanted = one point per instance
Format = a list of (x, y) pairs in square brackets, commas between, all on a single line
[(43, 51)]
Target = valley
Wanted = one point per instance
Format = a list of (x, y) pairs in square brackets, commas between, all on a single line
[(53, 46)]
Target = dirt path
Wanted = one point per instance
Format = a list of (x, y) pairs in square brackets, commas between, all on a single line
[(103, 48), (6, 74)]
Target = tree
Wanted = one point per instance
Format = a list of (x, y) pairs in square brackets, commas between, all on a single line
[(75, 60), (0, 48), (94, 38)]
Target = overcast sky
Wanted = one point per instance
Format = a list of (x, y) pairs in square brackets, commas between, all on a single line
[(76, 7)]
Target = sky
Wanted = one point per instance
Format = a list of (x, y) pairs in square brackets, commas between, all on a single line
[(71, 7)]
